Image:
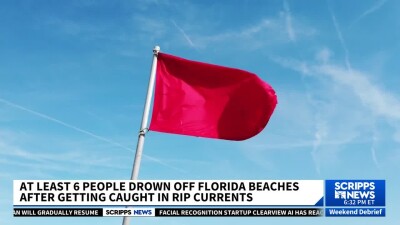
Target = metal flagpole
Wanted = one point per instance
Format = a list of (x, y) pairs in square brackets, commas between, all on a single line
[(143, 127)]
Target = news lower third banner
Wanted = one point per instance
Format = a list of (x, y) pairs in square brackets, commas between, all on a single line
[(149, 198)]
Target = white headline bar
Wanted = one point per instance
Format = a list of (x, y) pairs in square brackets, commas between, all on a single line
[(168, 192)]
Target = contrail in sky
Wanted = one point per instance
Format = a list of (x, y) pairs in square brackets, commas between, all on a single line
[(187, 38), (84, 132)]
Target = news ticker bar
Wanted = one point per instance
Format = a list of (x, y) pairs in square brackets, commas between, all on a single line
[(168, 212), (178, 212)]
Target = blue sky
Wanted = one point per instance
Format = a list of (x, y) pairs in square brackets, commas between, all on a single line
[(73, 78)]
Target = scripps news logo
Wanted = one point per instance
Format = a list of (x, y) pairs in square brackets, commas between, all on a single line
[(355, 190)]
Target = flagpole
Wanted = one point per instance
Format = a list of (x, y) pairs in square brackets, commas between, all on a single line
[(143, 127)]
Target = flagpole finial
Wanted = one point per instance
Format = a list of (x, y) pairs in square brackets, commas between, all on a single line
[(156, 49)]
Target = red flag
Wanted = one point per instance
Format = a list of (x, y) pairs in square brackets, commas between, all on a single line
[(205, 100)]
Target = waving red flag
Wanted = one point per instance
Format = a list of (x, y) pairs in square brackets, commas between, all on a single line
[(205, 100)]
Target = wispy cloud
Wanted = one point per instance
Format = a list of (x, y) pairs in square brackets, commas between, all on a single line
[(297, 144), (66, 124), (255, 29), (268, 31), (245, 33), (10, 152), (380, 103), (376, 99), (288, 19), (373, 150), (320, 134), (375, 102), (146, 5), (153, 28), (264, 32), (80, 130), (297, 65), (341, 39), (187, 38), (372, 9), (45, 163), (324, 55)]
